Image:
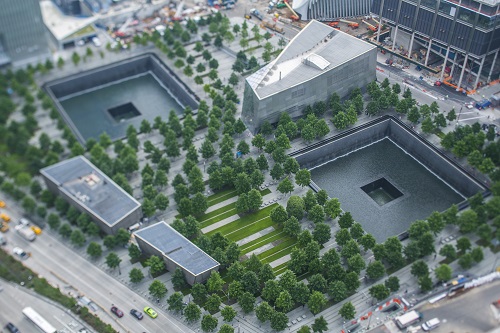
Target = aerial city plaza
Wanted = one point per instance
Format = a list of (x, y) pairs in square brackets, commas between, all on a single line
[(250, 166)]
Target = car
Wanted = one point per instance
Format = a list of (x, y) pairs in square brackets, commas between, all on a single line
[(96, 42), (136, 314), (36, 229), (12, 328), (20, 252), (116, 311), (81, 42), (2, 204), (150, 312), (5, 217), (431, 324)]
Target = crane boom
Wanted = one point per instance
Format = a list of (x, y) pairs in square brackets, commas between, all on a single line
[(295, 16)]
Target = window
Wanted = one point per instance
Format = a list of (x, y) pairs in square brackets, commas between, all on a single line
[(298, 92)]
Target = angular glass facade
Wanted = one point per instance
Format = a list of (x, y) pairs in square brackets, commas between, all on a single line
[(22, 32)]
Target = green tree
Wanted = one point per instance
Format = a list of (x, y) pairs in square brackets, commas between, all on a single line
[(113, 261), (347, 311), (375, 270), (284, 301), (94, 250), (77, 238), (264, 312), (425, 283), (247, 302), (156, 265), (379, 292), (175, 302), (449, 252), (320, 324), (463, 244), (54, 221), (213, 303), (279, 321), (215, 282), (65, 230), (136, 275), (419, 269), (134, 252), (337, 290), (392, 283), (192, 312), (443, 272), (199, 293), (477, 254), (317, 214), (209, 323), (228, 313), (316, 302), (178, 279), (321, 233)]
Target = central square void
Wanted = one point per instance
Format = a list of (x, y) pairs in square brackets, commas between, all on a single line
[(113, 97), (124, 111), (381, 191)]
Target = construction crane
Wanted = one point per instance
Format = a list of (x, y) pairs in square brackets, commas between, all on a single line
[(294, 16), (351, 24), (370, 26)]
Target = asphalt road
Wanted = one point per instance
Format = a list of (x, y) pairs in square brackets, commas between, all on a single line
[(469, 313), (72, 273), (14, 299)]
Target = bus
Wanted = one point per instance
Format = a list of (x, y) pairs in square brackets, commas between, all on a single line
[(408, 319), (39, 321)]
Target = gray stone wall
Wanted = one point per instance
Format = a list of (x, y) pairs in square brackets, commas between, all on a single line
[(412, 143), (356, 73)]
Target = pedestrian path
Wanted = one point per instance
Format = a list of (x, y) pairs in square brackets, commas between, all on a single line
[(220, 223)]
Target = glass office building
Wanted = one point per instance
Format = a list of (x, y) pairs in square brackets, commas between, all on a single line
[(462, 35), (22, 32)]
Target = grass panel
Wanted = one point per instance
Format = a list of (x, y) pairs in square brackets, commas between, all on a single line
[(250, 230), (218, 218), (244, 221), (287, 241), (221, 196), (261, 240), (278, 255), (216, 212), (280, 268)]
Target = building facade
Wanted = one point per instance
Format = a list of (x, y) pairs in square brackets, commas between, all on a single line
[(22, 33), (325, 10), (318, 62), (89, 190), (177, 251), (462, 36)]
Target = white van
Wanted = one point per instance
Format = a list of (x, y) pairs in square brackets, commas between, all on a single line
[(96, 42), (431, 324)]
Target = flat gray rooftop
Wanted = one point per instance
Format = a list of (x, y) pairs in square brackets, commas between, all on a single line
[(91, 188), (316, 50), (177, 248)]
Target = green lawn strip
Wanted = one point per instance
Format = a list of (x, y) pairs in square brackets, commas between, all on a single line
[(221, 196), (251, 229), (216, 212), (287, 241), (270, 237), (216, 215), (278, 255), (280, 268), (244, 221), (218, 218)]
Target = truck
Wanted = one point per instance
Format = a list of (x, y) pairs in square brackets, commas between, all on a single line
[(483, 104), (26, 233), (408, 319), (256, 13), (273, 26)]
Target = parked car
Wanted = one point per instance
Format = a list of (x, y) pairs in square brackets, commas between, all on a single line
[(5, 217), (20, 253), (36, 229), (116, 311), (12, 328), (150, 312), (136, 314), (2, 204)]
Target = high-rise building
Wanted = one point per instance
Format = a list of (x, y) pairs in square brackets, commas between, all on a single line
[(69, 7), (331, 9), (22, 32), (460, 36)]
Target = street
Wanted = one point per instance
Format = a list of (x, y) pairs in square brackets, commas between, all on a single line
[(74, 274), (13, 299), (469, 312)]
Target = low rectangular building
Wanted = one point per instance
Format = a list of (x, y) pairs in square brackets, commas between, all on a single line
[(316, 63), (163, 241), (89, 190)]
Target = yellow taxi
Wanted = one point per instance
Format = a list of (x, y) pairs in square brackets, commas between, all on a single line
[(4, 227), (2, 204), (5, 217), (36, 229)]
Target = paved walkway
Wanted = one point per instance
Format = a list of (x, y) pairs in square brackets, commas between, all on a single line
[(255, 236)]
